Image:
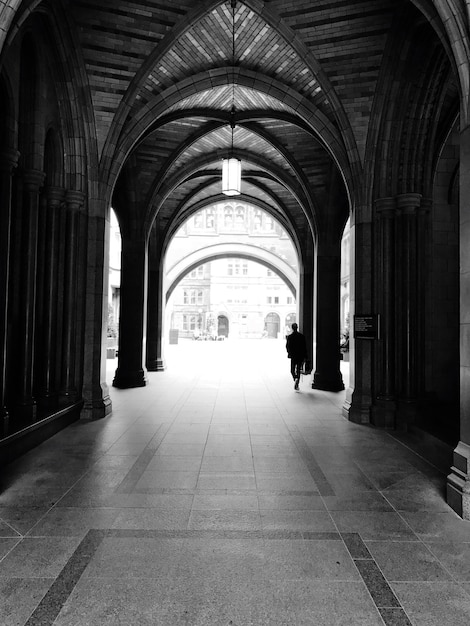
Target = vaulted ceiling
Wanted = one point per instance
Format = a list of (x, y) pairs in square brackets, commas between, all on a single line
[(301, 81)]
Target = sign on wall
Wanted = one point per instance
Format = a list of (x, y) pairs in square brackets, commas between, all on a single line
[(366, 327)]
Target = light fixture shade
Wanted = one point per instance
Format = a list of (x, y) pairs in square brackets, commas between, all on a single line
[(231, 177)]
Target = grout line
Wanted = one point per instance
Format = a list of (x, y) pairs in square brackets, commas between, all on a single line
[(54, 599), (378, 587)]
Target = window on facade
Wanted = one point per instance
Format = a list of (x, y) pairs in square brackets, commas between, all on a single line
[(198, 220), (185, 322), (240, 216), (269, 300), (257, 220), (192, 322), (276, 299), (200, 297), (228, 216), (185, 298), (200, 271), (210, 218), (230, 269), (269, 272), (245, 269), (289, 299), (193, 297)]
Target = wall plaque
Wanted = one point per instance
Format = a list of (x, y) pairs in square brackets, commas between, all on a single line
[(366, 327)]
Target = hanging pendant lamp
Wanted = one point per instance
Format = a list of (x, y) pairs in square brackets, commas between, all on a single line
[(232, 167)]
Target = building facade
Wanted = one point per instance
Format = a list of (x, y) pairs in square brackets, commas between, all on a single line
[(237, 297)]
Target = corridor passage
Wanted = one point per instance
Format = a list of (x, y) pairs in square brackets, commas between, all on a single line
[(218, 495)]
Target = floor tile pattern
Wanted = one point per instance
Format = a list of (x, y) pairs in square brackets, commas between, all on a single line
[(219, 495)]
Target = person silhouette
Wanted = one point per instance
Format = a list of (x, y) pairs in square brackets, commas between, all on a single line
[(297, 353)]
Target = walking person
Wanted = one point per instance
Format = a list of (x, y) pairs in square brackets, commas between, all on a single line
[(296, 347)]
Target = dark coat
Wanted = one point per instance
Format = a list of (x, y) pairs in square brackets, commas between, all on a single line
[(296, 346)]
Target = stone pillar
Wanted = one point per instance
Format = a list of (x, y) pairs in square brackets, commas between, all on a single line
[(327, 374), (357, 406), (154, 356), (155, 359), (47, 374), (97, 403), (8, 161), (407, 308), (68, 386), (458, 481), (130, 372), (305, 297), (25, 404), (384, 409)]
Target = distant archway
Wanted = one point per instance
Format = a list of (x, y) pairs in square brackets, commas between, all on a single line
[(222, 326), (272, 325)]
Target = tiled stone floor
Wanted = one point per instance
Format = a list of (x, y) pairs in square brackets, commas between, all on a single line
[(218, 495)]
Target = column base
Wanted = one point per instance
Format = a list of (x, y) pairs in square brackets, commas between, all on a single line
[(97, 409), (458, 481), (157, 365), (4, 422), (129, 380), (356, 407), (383, 413), (333, 383)]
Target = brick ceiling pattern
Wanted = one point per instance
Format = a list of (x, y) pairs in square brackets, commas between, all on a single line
[(173, 67)]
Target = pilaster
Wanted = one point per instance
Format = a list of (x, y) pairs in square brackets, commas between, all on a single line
[(25, 403), (383, 412), (74, 201), (407, 308), (47, 375), (458, 481), (8, 162)]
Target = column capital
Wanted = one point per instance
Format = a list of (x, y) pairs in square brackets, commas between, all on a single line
[(74, 199), (33, 179), (408, 202), (385, 207), (9, 160), (55, 196)]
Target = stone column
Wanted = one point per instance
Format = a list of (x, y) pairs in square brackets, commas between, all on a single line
[(47, 375), (407, 308), (357, 406), (384, 409), (155, 307), (97, 403), (8, 161), (130, 372), (458, 481), (25, 404), (68, 387), (327, 298), (155, 361), (305, 298)]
